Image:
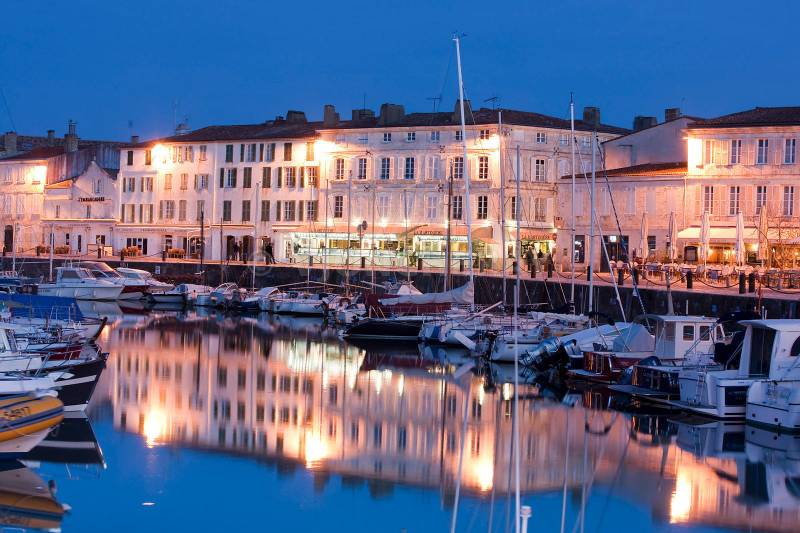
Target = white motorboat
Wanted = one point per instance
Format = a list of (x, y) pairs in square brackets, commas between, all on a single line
[(669, 338), (153, 286), (79, 283), (132, 289), (220, 296), (719, 389), (533, 329), (182, 294), (774, 401), (303, 303)]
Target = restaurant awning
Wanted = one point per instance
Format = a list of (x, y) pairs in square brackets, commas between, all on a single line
[(726, 234)]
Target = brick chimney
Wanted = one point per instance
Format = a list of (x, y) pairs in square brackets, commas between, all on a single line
[(51, 137), (330, 117), (591, 116), (671, 113), (391, 114), (642, 123), (295, 117), (134, 139), (457, 112), (10, 142), (361, 114), (71, 137)]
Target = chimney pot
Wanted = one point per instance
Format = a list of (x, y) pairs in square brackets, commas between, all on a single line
[(134, 139), (391, 114), (671, 113), (457, 111), (10, 142), (295, 117), (591, 115), (642, 123), (361, 114), (51, 137), (71, 137)]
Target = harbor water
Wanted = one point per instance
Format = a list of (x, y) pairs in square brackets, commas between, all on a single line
[(208, 422)]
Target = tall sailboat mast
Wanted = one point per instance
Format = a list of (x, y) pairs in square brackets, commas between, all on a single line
[(572, 142), (467, 177), (503, 199), (591, 227), (516, 354), (448, 249)]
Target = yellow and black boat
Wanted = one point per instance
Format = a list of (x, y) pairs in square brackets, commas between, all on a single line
[(25, 420)]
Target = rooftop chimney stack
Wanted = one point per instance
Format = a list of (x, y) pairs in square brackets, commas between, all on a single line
[(642, 123), (134, 139), (457, 111), (296, 117), (51, 137), (330, 117), (71, 137), (10, 142), (671, 113), (591, 115), (362, 114), (391, 114)]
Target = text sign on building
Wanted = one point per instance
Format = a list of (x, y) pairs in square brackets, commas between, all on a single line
[(93, 199)]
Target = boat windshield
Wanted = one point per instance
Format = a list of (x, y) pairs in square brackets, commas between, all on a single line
[(76, 273)]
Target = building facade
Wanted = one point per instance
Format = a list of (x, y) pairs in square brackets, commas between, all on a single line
[(739, 163), (336, 191)]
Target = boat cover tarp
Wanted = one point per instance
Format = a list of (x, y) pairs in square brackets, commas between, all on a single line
[(461, 295), (635, 339), (38, 306)]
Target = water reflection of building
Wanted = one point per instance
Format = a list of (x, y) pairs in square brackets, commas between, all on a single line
[(304, 399)]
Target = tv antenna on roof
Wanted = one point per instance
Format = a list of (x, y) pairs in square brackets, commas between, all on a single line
[(436, 100), (493, 100)]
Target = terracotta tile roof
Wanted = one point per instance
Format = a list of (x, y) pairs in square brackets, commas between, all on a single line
[(308, 130), (758, 116), (647, 169)]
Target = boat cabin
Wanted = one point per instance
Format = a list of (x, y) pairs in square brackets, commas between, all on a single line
[(678, 337), (771, 350), (73, 274)]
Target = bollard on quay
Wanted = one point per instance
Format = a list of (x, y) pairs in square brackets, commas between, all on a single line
[(620, 277), (635, 275), (689, 279), (461, 265), (514, 268), (363, 262), (163, 255), (741, 283), (310, 260), (419, 264), (549, 270), (751, 282)]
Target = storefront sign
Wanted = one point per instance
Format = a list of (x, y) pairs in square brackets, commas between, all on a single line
[(93, 199)]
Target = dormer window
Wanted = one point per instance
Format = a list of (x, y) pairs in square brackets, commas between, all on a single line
[(411, 136)]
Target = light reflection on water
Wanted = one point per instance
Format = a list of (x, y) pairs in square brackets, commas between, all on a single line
[(378, 434)]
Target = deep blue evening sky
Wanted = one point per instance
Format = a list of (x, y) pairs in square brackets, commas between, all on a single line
[(109, 63)]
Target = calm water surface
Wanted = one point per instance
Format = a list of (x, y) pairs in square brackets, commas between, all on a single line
[(238, 424)]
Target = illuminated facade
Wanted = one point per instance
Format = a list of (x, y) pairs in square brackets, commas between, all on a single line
[(373, 187), (22, 178), (740, 163)]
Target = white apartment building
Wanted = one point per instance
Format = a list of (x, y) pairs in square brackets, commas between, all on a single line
[(338, 190), (241, 188), (22, 181), (743, 162)]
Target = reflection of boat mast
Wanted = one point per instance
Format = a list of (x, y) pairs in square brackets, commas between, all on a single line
[(516, 358)]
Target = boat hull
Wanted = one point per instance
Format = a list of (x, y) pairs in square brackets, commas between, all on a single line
[(25, 421), (384, 329)]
